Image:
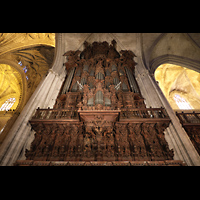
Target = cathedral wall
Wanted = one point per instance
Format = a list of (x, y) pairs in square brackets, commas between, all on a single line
[(20, 135)]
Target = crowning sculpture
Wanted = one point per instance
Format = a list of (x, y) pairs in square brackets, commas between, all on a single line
[(100, 117)]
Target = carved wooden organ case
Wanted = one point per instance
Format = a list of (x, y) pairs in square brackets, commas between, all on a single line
[(100, 114)]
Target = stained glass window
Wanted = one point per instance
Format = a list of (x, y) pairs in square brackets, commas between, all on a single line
[(8, 104), (182, 103), (25, 69), (20, 63)]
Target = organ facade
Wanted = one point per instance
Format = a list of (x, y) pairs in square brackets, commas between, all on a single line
[(100, 116)]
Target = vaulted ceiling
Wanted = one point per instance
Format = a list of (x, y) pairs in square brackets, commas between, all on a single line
[(24, 60), (174, 79), (28, 54), (15, 41)]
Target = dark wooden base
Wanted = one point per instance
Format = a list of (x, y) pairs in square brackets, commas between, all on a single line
[(99, 163)]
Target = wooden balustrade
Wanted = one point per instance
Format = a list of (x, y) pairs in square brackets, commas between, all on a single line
[(48, 114), (144, 113), (191, 123), (189, 118)]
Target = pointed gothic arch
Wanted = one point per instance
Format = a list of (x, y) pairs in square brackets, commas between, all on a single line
[(11, 115), (23, 81), (179, 85)]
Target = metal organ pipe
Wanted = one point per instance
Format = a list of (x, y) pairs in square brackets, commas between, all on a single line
[(132, 80), (68, 81), (99, 97)]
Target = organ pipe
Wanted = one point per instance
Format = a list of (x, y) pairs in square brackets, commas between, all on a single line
[(68, 81)]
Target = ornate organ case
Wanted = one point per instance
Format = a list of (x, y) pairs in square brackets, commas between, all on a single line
[(100, 115)]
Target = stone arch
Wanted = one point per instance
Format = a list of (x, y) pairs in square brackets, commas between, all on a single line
[(11, 116), (174, 48), (23, 80), (174, 59), (175, 80)]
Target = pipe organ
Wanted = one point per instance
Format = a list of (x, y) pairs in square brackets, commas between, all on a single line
[(99, 115)]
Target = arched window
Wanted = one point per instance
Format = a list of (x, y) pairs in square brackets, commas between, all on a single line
[(180, 85), (8, 104), (182, 103)]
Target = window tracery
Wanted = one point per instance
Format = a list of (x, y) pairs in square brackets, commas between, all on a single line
[(182, 103), (8, 104)]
